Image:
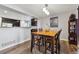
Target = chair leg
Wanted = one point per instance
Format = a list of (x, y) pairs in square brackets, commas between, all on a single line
[(31, 45), (45, 47), (58, 48), (39, 45)]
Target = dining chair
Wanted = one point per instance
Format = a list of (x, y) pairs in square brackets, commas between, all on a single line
[(57, 42), (35, 39), (53, 43)]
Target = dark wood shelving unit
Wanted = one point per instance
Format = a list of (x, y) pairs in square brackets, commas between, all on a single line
[(78, 23), (72, 29)]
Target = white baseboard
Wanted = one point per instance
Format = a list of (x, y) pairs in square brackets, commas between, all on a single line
[(13, 44), (64, 39)]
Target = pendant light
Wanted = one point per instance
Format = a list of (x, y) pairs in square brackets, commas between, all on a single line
[(45, 10)]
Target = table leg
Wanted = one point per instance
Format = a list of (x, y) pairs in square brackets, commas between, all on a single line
[(31, 42), (45, 47)]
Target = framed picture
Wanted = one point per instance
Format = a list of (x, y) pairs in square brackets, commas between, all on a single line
[(33, 22), (54, 22)]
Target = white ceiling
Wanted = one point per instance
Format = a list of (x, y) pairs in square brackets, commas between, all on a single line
[(36, 9)]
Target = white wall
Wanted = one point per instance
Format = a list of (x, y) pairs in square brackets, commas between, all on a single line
[(14, 35), (62, 23), (11, 36)]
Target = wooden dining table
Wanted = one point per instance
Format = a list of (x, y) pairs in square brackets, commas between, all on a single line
[(44, 34)]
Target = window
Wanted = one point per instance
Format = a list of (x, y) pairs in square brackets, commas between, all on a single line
[(6, 22), (25, 23)]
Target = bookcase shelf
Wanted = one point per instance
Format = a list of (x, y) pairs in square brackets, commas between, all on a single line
[(72, 27)]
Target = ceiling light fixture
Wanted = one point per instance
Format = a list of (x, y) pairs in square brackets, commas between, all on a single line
[(45, 9)]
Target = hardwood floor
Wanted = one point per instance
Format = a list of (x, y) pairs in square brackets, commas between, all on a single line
[(24, 48)]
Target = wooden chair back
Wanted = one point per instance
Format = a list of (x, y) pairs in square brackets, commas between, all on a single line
[(58, 34), (57, 42), (33, 30)]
